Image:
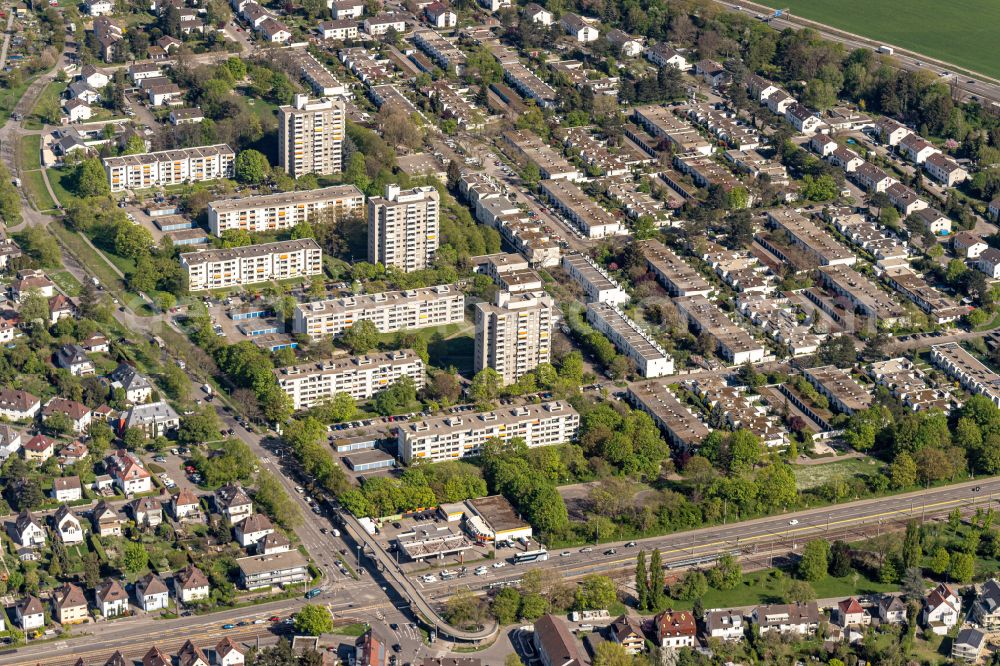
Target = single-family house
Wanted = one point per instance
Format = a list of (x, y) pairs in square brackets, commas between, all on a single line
[(663, 55), (77, 111), (105, 521), (942, 608), (74, 359), (993, 210), (872, 178), (248, 532), (99, 7), (823, 145), (797, 618), (29, 280), (627, 632), (275, 542), (627, 45), (968, 645), (67, 489), (846, 159), (70, 605), (850, 613), (933, 220), (27, 531), (891, 610), (95, 344), (578, 28), (780, 102), (128, 472), (274, 31), (137, 388), (192, 655), (233, 502), (440, 15), (38, 449), (156, 657), (67, 526), (72, 453), (147, 511), (185, 505), (675, 629), (346, 9), (724, 624), (803, 118), (29, 613), (535, 13), (112, 600), (151, 593), (191, 585), (712, 73), (986, 607), (10, 441), (93, 77), (18, 405), (79, 414), (227, 653)]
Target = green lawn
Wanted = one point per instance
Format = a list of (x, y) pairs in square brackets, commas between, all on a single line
[(29, 152), (963, 33), (50, 95), (34, 185), (69, 284), (95, 263), (768, 587), (59, 179), (356, 629), (813, 476)]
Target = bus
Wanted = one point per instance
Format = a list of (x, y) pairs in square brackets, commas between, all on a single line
[(315, 592), (539, 555)]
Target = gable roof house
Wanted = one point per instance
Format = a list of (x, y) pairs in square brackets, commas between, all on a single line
[(227, 653), (67, 489), (968, 645), (555, 644), (535, 13), (274, 31), (233, 502), (989, 262), (986, 607), (275, 542), (70, 605), (916, 148), (724, 624), (185, 505), (803, 118), (104, 520), (112, 600), (192, 655), (191, 585), (78, 413), (795, 618), (10, 441), (76, 110), (27, 531), (891, 131), (67, 525), (712, 73), (578, 28), (891, 610), (156, 657), (850, 613), (29, 279), (128, 472), (945, 170), (253, 529), (30, 613), (626, 44), (72, 453), (440, 15), (627, 632), (137, 388), (663, 55), (39, 448), (18, 405), (675, 629), (147, 511), (60, 307), (151, 593), (74, 359), (942, 608), (108, 37)]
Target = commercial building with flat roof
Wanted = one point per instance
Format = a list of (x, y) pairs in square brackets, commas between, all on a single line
[(597, 284), (650, 359), (287, 568), (403, 227), (514, 334), (252, 264), (283, 210), (390, 311), (843, 391), (493, 519), (593, 220), (817, 243), (360, 377), (458, 435), (169, 167), (369, 460), (684, 430), (427, 541), (734, 344), (677, 276), (311, 136)]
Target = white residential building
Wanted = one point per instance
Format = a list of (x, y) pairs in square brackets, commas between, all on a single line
[(514, 334), (650, 359), (169, 167), (403, 227), (311, 136), (273, 212), (360, 377), (252, 264)]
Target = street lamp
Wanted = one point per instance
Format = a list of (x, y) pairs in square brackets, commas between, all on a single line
[(359, 555)]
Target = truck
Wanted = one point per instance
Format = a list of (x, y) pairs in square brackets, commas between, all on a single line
[(315, 592), (888, 50)]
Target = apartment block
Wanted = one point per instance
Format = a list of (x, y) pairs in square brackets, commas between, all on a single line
[(683, 429), (527, 147), (804, 234), (510, 272), (389, 310), (169, 167), (650, 359), (968, 370), (458, 435), (863, 294), (843, 391), (221, 269), (593, 220), (311, 136), (939, 307), (677, 276), (403, 227), (734, 344), (597, 284), (272, 212), (514, 334), (662, 123), (360, 377)]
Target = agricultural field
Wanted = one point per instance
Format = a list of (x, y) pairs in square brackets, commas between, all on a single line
[(962, 33)]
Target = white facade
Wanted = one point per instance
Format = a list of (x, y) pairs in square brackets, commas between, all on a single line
[(650, 359), (169, 167), (272, 212), (222, 269), (311, 136), (360, 377), (403, 227)]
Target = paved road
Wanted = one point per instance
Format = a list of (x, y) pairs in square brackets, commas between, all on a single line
[(6, 37), (758, 536)]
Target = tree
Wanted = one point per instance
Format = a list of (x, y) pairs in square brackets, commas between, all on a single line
[(505, 605), (361, 337), (596, 592), (273, 499), (840, 559), (512, 659), (202, 426), (313, 620), (813, 565), (252, 167), (34, 307), (903, 471), (912, 552), (692, 586), (132, 241), (799, 591), (657, 592), (485, 386), (134, 557), (397, 397), (940, 560), (727, 574), (342, 407), (962, 567), (610, 653), (641, 581), (91, 180)]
